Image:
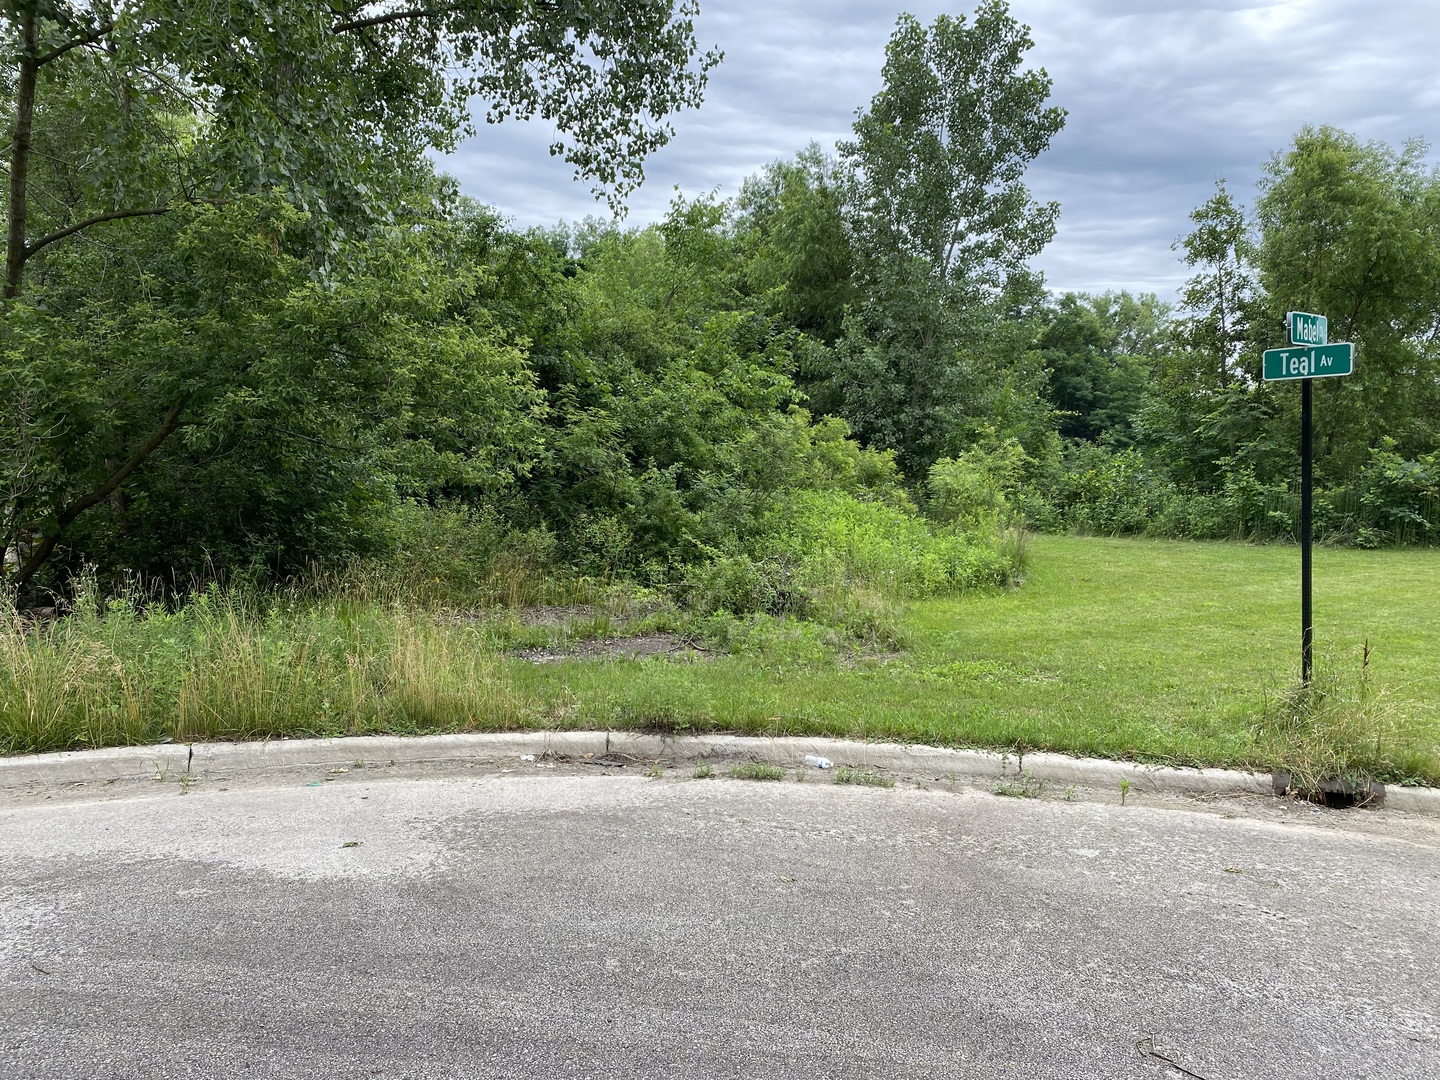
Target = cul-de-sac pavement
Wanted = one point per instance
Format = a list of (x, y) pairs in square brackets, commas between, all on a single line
[(547, 920)]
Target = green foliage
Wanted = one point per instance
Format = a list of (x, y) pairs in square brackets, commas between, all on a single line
[(943, 226), (863, 778), (1220, 298), (1100, 491), (307, 358), (941, 152), (220, 668), (756, 771), (1138, 650), (306, 405), (1353, 231), (1342, 228), (791, 220), (1100, 351), (1095, 489), (327, 105), (253, 279), (837, 537), (974, 491), (1340, 727), (1398, 499)]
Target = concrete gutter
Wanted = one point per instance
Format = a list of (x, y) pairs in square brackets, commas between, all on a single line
[(213, 761)]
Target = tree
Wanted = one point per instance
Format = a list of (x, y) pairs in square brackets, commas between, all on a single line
[(943, 227), (791, 222), (1352, 231), (940, 155), (1342, 228), (308, 405), (318, 101), (1220, 297), (1100, 351), (127, 113)]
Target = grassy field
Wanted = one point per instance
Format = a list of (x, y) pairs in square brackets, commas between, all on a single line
[(1148, 650)]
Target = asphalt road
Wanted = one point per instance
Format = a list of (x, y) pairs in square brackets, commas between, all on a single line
[(572, 924)]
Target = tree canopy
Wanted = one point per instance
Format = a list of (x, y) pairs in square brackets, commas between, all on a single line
[(185, 181), (247, 324)]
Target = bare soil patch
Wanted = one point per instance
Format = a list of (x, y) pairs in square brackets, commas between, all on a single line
[(635, 647)]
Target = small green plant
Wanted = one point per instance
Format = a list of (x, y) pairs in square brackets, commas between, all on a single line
[(756, 770), (1069, 794), (655, 771), (863, 778), (1124, 790), (703, 771), (1024, 785)]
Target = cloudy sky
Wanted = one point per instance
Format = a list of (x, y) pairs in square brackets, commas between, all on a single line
[(1165, 97)]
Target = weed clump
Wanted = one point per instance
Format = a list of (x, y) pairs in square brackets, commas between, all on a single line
[(1339, 728), (756, 771), (1026, 785), (863, 778)]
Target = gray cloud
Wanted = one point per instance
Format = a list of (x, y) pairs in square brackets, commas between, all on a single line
[(1164, 99)]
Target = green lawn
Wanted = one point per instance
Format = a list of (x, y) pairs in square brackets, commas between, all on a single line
[(1152, 650)]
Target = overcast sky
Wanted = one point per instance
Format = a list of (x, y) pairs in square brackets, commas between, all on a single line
[(1164, 98)]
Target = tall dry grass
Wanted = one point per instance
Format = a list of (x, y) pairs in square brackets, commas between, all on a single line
[(222, 667)]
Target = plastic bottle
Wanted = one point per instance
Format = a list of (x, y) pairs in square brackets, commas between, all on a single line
[(815, 761)]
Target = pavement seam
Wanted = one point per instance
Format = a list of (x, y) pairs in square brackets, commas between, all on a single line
[(202, 760)]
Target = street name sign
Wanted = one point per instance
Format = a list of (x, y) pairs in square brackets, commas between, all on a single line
[(1312, 357), (1320, 362), (1308, 329)]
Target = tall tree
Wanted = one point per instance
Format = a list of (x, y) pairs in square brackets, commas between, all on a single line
[(1351, 230), (1219, 298), (1205, 414), (321, 101), (940, 155), (943, 223)]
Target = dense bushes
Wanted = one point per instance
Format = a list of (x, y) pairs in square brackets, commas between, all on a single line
[(1095, 489)]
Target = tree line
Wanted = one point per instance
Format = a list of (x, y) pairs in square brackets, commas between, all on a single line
[(248, 325)]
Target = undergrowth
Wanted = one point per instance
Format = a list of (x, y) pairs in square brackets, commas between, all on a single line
[(219, 668), (1340, 727)]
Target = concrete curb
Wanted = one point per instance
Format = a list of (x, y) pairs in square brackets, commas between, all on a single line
[(208, 761), (79, 766)]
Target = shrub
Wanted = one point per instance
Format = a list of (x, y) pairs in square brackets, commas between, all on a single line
[(974, 489), (838, 540), (1399, 500), (1094, 489)]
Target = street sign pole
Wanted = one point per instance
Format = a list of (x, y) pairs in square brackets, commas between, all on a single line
[(1309, 357), (1307, 616)]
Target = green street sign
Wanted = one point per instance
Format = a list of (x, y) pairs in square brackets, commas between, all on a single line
[(1318, 363), (1307, 329), (1287, 364), (1337, 359)]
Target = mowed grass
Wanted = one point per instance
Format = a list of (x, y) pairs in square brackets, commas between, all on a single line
[(1158, 651)]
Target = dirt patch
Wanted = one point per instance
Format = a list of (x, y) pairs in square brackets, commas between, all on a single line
[(669, 646), (557, 615), (552, 616)]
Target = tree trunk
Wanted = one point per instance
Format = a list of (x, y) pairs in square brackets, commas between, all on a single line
[(46, 547)]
